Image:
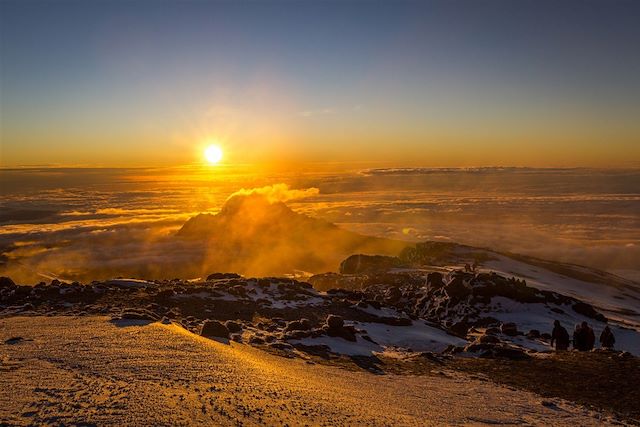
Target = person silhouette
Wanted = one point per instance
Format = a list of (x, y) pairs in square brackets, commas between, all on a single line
[(578, 338), (559, 336), (607, 340)]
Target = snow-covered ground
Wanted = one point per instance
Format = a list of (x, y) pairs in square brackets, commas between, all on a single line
[(88, 370), (538, 316), (615, 301)]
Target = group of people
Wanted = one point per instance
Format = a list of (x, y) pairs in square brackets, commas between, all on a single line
[(584, 338)]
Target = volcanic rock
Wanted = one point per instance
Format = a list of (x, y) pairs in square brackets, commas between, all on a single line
[(232, 326), (213, 328), (357, 264), (220, 276), (334, 322), (6, 283), (510, 329)]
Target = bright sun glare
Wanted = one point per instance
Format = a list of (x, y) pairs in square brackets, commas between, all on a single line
[(213, 154)]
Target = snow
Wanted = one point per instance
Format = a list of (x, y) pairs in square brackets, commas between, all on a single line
[(417, 337), (381, 312), (609, 298), (338, 345), (254, 292), (540, 317)]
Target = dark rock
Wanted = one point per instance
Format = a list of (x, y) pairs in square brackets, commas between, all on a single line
[(279, 345), (435, 280), (220, 276), (510, 329), (297, 335), (357, 264), (6, 283), (139, 314), (232, 326), (393, 295), (588, 311), (457, 289), (298, 325), (213, 328), (238, 290), (478, 347), (488, 339), (346, 332), (368, 338), (459, 329), (533, 333), (334, 322), (14, 340), (496, 351), (255, 340)]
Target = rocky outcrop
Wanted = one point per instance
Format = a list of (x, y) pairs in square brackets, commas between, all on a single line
[(359, 264), (214, 329), (6, 283), (221, 276), (335, 327)]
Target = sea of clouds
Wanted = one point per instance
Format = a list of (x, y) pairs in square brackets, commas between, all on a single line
[(98, 223)]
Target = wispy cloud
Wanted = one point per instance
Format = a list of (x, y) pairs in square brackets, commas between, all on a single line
[(318, 112)]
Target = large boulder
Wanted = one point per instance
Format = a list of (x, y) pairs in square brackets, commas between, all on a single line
[(358, 264), (214, 329), (298, 325), (497, 351), (233, 326), (457, 289), (392, 295), (6, 283), (509, 328), (488, 339), (334, 322), (435, 280), (335, 327), (588, 311)]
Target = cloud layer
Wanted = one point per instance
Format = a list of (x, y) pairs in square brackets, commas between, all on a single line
[(95, 224)]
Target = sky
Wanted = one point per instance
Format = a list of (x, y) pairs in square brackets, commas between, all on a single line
[(428, 83)]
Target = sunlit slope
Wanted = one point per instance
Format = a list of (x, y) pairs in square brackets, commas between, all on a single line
[(162, 375), (251, 235)]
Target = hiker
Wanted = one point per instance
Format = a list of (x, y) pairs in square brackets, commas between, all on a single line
[(607, 340), (578, 338), (590, 337), (560, 336)]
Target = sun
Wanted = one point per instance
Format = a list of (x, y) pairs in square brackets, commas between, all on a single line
[(213, 154)]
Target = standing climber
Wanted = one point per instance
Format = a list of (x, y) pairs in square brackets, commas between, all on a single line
[(607, 340), (560, 336)]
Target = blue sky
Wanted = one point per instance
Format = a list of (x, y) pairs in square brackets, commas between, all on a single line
[(433, 82)]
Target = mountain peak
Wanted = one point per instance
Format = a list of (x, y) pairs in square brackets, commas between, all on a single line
[(261, 236)]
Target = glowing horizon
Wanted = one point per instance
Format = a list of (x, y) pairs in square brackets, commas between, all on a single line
[(401, 83)]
